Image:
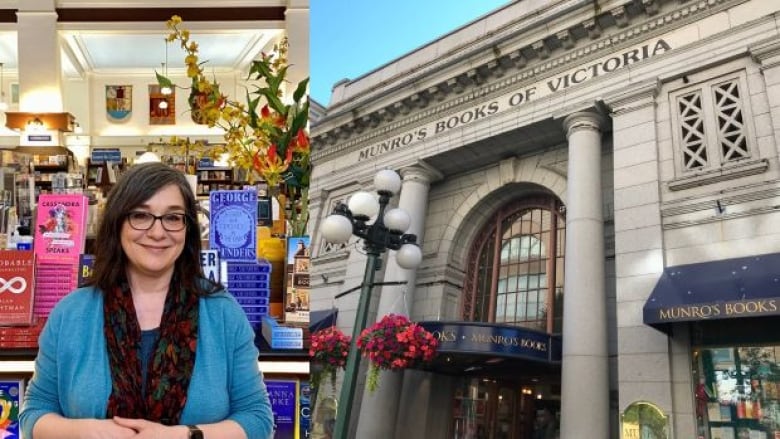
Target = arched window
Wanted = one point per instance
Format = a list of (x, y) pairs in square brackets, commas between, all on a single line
[(515, 275)]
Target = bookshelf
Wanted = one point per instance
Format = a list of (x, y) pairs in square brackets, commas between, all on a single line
[(215, 178)]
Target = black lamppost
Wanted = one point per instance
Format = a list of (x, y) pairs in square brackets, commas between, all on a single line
[(386, 232)]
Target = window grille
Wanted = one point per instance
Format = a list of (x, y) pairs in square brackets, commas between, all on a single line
[(710, 120)]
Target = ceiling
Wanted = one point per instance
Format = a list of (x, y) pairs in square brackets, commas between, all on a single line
[(110, 45), (132, 51)]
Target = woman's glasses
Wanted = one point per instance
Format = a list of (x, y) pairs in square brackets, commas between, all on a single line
[(172, 222)]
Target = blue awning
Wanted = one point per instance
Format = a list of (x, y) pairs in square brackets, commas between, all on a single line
[(323, 318), (725, 289)]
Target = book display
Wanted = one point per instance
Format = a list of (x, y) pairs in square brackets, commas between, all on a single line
[(738, 392), (214, 178), (74, 126), (103, 168), (57, 261)]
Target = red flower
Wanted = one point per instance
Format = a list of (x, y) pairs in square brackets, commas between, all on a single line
[(395, 343), (329, 349)]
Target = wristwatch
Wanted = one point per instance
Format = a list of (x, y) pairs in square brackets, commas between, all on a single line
[(195, 432)]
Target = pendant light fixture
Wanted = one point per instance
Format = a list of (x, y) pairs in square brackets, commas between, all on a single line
[(3, 103)]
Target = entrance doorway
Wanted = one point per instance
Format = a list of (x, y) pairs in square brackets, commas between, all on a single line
[(486, 408)]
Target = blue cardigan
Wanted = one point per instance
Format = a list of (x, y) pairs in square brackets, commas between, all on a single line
[(72, 376)]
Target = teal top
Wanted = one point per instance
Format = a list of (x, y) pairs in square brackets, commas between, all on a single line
[(148, 344), (72, 376)]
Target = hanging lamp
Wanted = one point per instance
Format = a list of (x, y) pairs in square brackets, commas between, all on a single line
[(3, 103), (165, 90)]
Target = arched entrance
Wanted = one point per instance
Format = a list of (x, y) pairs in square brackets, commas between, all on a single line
[(514, 286)]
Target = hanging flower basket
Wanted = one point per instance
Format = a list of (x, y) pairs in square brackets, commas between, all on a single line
[(395, 343), (328, 353)]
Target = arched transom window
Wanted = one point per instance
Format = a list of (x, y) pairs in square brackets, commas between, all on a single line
[(515, 272)]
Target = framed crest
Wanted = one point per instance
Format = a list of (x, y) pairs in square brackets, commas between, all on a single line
[(119, 102), (162, 108)]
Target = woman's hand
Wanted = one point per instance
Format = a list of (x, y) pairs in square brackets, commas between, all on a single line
[(144, 429), (104, 429)]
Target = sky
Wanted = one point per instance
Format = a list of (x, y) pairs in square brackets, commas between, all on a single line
[(349, 38)]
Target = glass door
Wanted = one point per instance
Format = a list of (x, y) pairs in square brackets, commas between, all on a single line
[(486, 409), (470, 417), (504, 426)]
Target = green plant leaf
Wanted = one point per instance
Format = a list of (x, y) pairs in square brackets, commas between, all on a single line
[(301, 90), (252, 109), (162, 81)]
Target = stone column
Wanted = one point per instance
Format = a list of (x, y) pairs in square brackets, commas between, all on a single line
[(378, 411), (39, 57), (585, 367)]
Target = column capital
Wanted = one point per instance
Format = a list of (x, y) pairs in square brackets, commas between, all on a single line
[(766, 53), (420, 172), (583, 120), (634, 96)]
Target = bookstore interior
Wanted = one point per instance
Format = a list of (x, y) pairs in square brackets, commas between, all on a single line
[(104, 115)]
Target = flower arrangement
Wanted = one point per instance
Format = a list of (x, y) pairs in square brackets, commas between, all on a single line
[(328, 350), (394, 343), (265, 136)]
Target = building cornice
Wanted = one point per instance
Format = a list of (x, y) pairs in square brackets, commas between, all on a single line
[(637, 20)]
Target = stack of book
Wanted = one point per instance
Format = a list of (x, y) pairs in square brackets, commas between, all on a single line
[(249, 282), (281, 337), (60, 237)]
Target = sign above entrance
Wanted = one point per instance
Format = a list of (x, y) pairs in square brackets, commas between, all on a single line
[(521, 96), (496, 340), (543, 87)]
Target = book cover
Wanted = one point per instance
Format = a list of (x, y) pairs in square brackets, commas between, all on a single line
[(233, 219), (284, 401), (304, 410), (60, 228), (209, 262), (296, 299), (11, 391), (17, 287), (86, 265)]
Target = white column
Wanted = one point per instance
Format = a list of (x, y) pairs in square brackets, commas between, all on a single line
[(39, 57), (379, 409), (297, 29), (585, 367)]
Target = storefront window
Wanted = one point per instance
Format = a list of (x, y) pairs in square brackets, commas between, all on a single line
[(497, 409), (738, 392)]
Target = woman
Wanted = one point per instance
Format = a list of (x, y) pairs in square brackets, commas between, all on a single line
[(150, 349)]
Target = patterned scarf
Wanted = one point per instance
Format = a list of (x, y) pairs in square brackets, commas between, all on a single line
[(170, 368)]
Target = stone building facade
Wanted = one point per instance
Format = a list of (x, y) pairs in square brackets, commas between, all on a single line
[(601, 177)]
